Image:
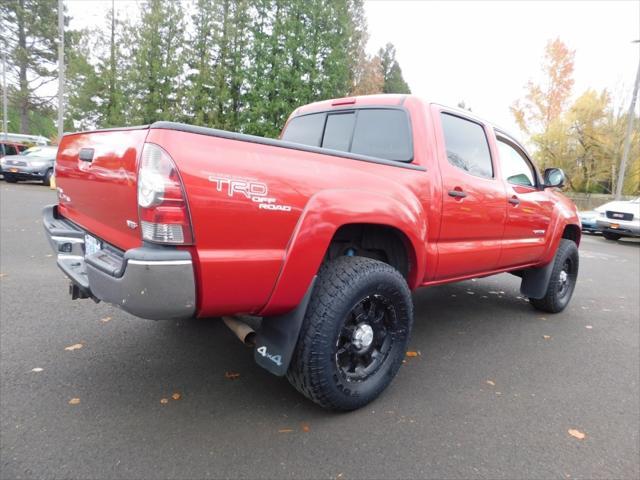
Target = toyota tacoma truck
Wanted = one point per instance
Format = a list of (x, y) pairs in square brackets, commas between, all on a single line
[(322, 234)]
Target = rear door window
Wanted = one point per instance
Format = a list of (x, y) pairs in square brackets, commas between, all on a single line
[(306, 129), (467, 146)]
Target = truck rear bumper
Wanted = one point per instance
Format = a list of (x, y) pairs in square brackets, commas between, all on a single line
[(148, 282)]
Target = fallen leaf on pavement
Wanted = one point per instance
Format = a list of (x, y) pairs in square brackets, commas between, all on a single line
[(73, 347), (164, 401), (412, 354), (285, 430), (176, 396), (491, 382), (105, 319), (576, 433), (3, 275), (37, 369), (588, 327), (546, 337), (74, 401), (232, 375), (305, 427)]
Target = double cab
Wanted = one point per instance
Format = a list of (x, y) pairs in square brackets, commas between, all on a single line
[(310, 245)]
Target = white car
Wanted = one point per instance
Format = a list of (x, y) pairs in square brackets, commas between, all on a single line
[(619, 219)]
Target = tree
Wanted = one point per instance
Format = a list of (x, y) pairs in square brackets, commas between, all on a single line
[(539, 114), (391, 71), (587, 117), (371, 77), (359, 62), (585, 138), (154, 78), (299, 54), (30, 29), (463, 106), (544, 102)]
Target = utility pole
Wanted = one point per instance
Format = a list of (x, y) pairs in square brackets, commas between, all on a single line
[(627, 139), (60, 69), (5, 123)]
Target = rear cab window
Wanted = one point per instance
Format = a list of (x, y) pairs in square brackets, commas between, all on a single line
[(376, 132)]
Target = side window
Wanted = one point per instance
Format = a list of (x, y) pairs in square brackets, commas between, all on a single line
[(515, 168), (11, 149), (338, 130), (306, 129), (383, 134), (467, 146)]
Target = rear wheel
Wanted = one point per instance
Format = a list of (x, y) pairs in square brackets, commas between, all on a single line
[(47, 177), (611, 236), (10, 179), (354, 335), (563, 279)]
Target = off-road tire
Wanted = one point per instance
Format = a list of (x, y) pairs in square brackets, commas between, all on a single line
[(611, 236), (342, 285), (559, 292)]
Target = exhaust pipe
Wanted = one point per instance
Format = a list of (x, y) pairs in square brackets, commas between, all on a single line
[(244, 332)]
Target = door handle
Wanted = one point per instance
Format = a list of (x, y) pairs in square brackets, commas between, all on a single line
[(514, 200), (457, 193)]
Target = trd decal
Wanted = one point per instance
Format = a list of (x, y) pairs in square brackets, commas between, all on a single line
[(251, 189)]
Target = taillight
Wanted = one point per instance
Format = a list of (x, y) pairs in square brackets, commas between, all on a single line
[(162, 204)]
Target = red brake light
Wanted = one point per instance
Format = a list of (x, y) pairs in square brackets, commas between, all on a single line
[(344, 101), (162, 203)]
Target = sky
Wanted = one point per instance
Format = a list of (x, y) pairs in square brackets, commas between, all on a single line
[(484, 52)]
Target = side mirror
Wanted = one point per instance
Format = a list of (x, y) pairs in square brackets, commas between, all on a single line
[(554, 177)]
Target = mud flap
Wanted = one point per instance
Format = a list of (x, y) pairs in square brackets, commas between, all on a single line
[(535, 281), (277, 337)]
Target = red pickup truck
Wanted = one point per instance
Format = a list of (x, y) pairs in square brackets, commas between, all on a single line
[(323, 233)]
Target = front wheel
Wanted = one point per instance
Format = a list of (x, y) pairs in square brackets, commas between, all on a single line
[(563, 279), (10, 179), (354, 335), (611, 236)]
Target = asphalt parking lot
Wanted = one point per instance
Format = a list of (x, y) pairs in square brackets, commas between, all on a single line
[(493, 394)]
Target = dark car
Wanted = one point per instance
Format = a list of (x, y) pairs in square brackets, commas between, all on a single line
[(35, 163)]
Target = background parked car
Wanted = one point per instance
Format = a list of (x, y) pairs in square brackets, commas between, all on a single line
[(10, 148), (619, 219), (588, 219), (35, 163)]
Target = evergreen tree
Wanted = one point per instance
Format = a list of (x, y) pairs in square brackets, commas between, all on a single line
[(29, 35), (391, 71), (154, 78)]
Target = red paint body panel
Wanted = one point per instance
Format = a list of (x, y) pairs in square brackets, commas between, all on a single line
[(101, 195), (263, 215)]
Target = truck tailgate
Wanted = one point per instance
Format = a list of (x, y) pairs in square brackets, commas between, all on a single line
[(96, 175)]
